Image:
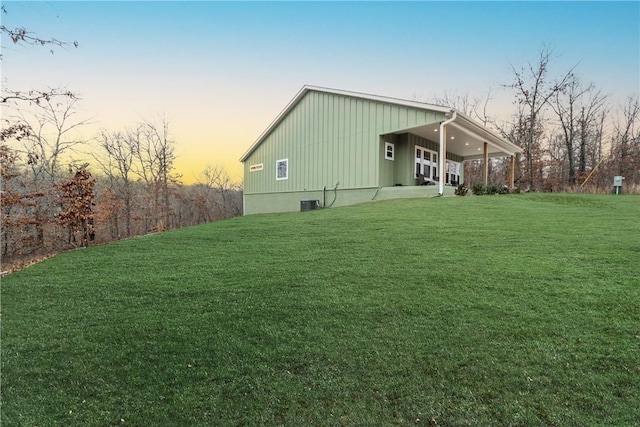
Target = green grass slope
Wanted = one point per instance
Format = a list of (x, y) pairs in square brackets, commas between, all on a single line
[(476, 311)]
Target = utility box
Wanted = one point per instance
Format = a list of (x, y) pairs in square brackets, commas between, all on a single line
[(617, 183), (309, 205)]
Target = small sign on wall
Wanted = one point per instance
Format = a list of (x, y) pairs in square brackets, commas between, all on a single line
[(257, 167)]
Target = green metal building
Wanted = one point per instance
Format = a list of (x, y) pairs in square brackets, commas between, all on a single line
[(333, 148)]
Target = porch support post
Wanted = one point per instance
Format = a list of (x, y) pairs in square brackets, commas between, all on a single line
[(512, 173), (485, 173)]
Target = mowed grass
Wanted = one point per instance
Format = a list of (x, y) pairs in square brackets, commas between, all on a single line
[(519, 310)]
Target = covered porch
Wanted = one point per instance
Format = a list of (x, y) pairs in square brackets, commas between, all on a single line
[(462, 139)]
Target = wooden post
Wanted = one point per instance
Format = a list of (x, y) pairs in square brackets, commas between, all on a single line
[(512, 173), (486, 164)]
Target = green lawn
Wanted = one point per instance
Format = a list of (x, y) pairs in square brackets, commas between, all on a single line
[(519, 310)]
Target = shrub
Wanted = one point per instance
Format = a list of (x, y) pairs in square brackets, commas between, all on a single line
[(491, 189), (461, 190), (477, 189)]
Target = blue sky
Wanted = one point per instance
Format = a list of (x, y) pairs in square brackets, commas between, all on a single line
[(222, 71)]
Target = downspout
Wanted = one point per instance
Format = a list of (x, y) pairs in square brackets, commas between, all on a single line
[(443, 154)]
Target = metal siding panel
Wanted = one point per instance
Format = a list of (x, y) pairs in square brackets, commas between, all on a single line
[(304, 133), (372, 170), (403, 118), (382, 162), (310, 164), (281, 152), (345, 149), (315, 138), (303, 152), (346, 144), (388, 119), (379, 118), (414, 118), (354, 164), (359, 134)]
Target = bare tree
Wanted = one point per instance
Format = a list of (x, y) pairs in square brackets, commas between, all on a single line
[(220, 196), (22, 227), (533, 90), (117, 163), (626, 140), (21, 35), (155, 164), (13, 127), (36, 145), (566, 105), (475, 107), (591, 124), (24, 37), (51, 138)]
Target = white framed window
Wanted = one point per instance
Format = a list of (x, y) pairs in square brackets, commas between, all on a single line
[(453, 172), (388, 150), (426, 163), (282, 169)]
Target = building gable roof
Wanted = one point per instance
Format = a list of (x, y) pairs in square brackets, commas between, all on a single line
[(464, 122)]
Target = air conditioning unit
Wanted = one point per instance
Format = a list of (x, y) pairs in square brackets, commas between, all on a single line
[(309, 205)]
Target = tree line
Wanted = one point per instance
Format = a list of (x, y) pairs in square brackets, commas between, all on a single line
[(51, 202), (572, 138)]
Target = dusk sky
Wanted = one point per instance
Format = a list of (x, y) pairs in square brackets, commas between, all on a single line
[(222, 71)]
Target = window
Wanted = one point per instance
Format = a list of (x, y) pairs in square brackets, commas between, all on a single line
[(424, 163), (388, 150), (282, 169), (453, 172), (434, 163)]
